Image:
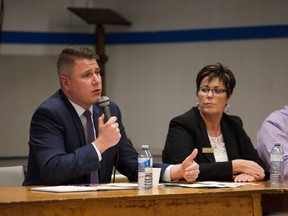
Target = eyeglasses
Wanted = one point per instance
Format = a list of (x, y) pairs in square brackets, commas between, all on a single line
[(215, 91)]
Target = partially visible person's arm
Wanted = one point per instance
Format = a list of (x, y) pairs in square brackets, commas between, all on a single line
[(270, 133)]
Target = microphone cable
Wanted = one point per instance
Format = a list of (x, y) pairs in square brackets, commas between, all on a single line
[(116, 164)]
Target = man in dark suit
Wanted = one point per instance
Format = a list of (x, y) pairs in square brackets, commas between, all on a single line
[(58, 150)]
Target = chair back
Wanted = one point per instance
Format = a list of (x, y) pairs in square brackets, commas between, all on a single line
[(12, 176)]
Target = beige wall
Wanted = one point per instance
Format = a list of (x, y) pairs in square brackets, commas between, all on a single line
[(151, 82)]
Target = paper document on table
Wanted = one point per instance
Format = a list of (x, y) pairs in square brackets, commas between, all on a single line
[(86, 188), (212, 184)]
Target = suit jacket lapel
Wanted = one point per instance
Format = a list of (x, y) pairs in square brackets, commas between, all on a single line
[(76, 119), (230, 142), (206, 148), (79, 126)]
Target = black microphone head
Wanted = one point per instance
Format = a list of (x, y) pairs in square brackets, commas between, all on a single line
[(104, 104), (104, 101)]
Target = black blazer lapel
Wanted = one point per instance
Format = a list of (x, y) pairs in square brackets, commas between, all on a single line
[(205, 145), (207, 150), (230, 142)]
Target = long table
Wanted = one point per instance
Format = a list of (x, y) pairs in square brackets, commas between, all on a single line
[(245, 200)]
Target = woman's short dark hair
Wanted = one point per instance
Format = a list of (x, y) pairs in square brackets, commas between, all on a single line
[(214, 71)]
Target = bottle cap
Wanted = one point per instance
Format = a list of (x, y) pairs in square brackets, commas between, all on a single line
[(145, 146)]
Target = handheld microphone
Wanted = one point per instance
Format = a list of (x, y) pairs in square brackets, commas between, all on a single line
[(104, 102)]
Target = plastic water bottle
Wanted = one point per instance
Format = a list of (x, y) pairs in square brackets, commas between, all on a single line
[(145, 163), (276, 164)]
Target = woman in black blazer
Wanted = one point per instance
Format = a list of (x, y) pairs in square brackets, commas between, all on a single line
[(225, 152)]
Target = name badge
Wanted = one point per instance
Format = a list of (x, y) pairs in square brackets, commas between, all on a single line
[(207, 150)]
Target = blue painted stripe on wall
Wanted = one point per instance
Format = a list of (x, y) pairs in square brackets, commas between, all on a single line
[(46, 38), (198, 35), (195, 35)]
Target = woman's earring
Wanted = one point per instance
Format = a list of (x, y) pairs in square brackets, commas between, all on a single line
[(227, 108)]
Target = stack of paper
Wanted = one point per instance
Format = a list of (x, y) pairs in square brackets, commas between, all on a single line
[(211, 184), (84, 188)]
